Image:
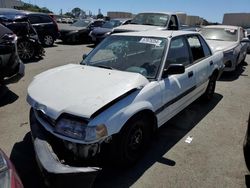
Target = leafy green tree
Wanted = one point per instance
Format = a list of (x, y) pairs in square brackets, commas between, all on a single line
[(76, 12)]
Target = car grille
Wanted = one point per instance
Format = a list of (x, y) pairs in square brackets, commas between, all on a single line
[(46, 118)]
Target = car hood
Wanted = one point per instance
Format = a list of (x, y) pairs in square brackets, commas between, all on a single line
[(66, 27), (80, 90), (135, 27), (221, 45), (101, 30)]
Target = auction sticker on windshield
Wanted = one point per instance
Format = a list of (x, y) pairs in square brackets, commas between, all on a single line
[(156, 42)]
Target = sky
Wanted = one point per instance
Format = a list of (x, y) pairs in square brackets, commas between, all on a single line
[(211, 10)]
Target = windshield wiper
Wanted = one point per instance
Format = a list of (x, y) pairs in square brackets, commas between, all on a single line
[(104, 66)]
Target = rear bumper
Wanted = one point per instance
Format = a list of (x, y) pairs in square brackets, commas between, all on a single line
[(15, 77), (55, 173)]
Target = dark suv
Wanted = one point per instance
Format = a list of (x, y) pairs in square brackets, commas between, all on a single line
[(45, 25), (11, 67)]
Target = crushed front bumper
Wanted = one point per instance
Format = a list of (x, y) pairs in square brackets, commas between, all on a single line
[(56, 173)]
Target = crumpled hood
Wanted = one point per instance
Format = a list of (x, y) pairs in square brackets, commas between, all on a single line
[(80, 90), (67, 27), (221, 45), (135, 27)]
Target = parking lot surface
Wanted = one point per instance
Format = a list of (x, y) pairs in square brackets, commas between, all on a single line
[(214, 158)]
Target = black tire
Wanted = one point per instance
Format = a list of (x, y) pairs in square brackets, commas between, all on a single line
[(26, 50), (48, 40), (209, 93), (135, 136)]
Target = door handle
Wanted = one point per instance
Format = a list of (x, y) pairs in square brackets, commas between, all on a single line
[(190, 74), (211, 63)]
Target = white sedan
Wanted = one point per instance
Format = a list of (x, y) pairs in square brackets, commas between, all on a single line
[(126, 88), (231, 40)]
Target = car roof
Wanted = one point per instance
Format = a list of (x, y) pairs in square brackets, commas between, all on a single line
[(150, 12), (157, 33), (222, 26)]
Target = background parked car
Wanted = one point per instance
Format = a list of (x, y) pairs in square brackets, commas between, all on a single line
[(246, 146), (79, 31), (229, 39), (99, 33), (8, 175), (28, 44), (248, 36), (11, 67), (151, 21), (46, 27)]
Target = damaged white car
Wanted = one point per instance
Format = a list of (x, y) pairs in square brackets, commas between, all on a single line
[(229, 39), (124, 89)]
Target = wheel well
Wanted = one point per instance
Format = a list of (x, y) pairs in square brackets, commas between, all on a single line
[(150, 115)]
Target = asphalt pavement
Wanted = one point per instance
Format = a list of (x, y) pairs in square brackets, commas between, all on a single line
[(215, 130)]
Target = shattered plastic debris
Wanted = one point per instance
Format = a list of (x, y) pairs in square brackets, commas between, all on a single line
[(189, 139)]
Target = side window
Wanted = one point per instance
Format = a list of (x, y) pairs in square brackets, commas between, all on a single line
[(196, 48), (178, 52), (241, 34), (45, 19), (97, 24), (173, 23), (206, 49), (34, 19)]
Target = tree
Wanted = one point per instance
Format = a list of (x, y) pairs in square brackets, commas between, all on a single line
[(34, 8), (99, 16), (76, 12)]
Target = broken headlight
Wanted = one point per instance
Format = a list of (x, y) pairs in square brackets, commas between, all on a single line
[(78, 129)]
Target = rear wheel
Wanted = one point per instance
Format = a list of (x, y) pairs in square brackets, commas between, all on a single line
[(25, 50), (134, 138), (48, 40)]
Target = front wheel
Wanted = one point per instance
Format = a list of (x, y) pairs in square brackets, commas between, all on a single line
[(209, 93), (134, 138), (26, 50)]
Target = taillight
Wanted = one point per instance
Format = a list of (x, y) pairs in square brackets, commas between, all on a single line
[(8, 174)]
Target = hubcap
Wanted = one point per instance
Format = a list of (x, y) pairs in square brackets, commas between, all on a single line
[(48, 40), (136, 139), (25, 50)]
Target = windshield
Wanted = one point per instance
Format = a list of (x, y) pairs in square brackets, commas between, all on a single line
[(81, 23), (111, 24), (156, 19), (129, 53), (220, 34)]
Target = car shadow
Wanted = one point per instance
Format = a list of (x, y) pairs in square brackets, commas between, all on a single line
[(168, 135), (231, 76), (24, 160), (7, 96), (247, 180)]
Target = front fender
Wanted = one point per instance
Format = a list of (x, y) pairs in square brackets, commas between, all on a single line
[(116, 117)]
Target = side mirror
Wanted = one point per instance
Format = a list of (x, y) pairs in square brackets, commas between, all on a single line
[(173, 69), (245, 40)]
